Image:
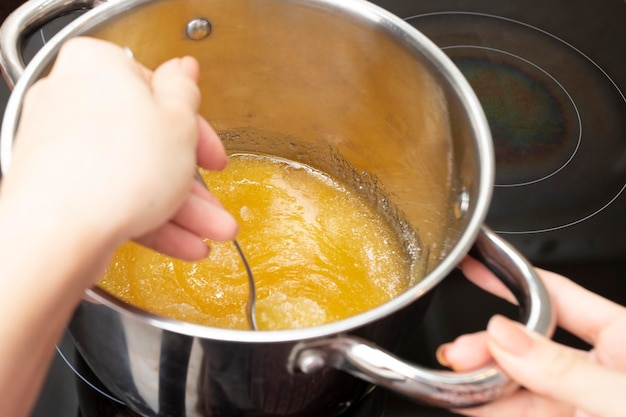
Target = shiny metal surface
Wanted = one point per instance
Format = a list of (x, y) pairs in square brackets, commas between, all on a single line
[(198, 29), (316, 85), (440, 388), (30, 16)]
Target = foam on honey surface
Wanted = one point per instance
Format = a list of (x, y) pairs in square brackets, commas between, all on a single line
[(318, 253)]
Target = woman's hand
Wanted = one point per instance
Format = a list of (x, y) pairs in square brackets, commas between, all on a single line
[(107, 146), (558, 381), (105, 152)]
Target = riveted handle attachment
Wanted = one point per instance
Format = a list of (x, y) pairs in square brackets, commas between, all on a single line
[(439, 388)]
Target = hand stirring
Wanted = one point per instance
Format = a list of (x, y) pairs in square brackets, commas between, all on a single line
[(250, 303)]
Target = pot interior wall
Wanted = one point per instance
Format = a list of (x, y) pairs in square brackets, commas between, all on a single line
[(333, 90)]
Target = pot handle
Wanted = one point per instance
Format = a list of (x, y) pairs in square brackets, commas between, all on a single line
[(439, 388), (27, 18)]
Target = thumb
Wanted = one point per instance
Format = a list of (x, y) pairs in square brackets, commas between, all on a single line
[(175, 81), (554, 370)]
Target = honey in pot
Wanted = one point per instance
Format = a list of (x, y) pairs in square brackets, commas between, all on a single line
[(318, 251)]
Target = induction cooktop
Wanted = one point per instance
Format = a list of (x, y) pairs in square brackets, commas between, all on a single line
[(551, 76)]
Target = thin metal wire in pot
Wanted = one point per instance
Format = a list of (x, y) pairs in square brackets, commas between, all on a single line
[(251, 302)]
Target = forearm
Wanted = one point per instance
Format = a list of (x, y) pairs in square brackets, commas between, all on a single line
[(86, 176), (45, 268)]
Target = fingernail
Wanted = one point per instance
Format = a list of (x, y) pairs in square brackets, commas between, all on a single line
[(510, 336), (441, 355), (189, 65)]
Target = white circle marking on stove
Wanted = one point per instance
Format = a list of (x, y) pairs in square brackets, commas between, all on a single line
[(579, 52), (580, 133)]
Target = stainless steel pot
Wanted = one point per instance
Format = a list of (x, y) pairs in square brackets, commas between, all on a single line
[(341, 85)]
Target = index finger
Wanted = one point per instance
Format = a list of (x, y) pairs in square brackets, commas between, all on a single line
[(578, 310), (210, 152), (480, 275)]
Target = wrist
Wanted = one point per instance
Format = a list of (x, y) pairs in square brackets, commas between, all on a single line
[(54, 248)]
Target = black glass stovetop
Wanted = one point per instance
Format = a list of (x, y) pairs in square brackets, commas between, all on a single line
[(551, 76)]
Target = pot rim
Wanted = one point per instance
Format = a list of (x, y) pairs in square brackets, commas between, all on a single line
[(365, 10)]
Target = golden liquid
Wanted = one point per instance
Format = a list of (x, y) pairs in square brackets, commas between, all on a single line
[(318, 252)]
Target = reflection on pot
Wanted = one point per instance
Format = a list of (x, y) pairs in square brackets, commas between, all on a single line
[(318, 75)]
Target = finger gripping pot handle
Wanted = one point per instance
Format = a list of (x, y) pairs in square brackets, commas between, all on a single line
[(439, 388), (27, 18)]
